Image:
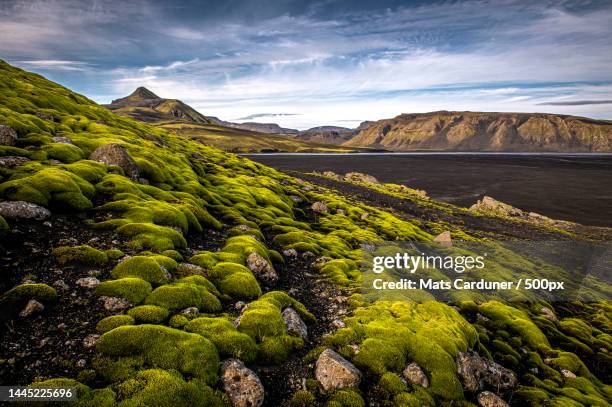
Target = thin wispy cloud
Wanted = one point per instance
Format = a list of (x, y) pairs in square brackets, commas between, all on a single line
[(262, 115), (369, 59), (577, 103)]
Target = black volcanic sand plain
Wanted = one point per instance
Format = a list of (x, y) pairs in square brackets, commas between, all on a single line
[(569, 187)]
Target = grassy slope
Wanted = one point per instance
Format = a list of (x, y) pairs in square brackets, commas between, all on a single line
[(244, 141), (193, 188)]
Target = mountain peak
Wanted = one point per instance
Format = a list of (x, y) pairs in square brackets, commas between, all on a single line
[(142, 93)]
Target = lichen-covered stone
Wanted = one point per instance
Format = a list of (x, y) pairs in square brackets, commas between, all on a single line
[(12, 161), (114, 304), (23, 210), (261, 268), (319, 207), (414, 374), (294, 323), (241, 384), (488, 399), (475, 371), (444, 239), (32, 307), (335, 372), (115, 154), (8, 136)]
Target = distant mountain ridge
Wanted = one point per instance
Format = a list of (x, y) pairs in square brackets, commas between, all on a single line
[(144, 105), (481, 131)]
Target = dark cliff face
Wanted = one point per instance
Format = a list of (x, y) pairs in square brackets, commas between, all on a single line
[(463, 131)]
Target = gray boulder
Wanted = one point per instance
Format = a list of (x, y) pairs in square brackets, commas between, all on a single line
[(241, 384), (488, 399), (116, 154), (476, 372), (23, 210), (8, 136), (294, 323), (31, 308), (261, 268), (335, 372), (12, 161), (414, 374)]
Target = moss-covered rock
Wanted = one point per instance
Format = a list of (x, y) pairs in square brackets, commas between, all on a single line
[(228, 340), (135, 290), (149, 314), (84, 254), (165, 348), (144, 267), (183, 295), (113, 322), (21, 294)]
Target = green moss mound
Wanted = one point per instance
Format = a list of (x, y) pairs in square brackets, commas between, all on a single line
[(143, 267), (84, 254), (228, 340), (21, 294), (112, 322), (181, 295), (149, 314), (164, 348), (135, 290)]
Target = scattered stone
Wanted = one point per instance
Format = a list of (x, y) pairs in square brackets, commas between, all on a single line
[(548, 314), (32, 307), (319, 207), (44, 116), (364, 216), (116, 154), (90, 341), (188, 269), (360, 177), (488, 399), (333, 175), (8, 136), (308, 254), (568, 374), (23, 210), (414, 374), (81, 363), (114, 304), (481, 318), (295, 198), (88, 282), (474, 371), (338, 323), (63, 140), (290, 253), (241, 384), (294, 323), (261, 268), (12, 161), (334, 372), (444, 239), (340, 211), (492, 206), (320, 261), (191, 312), (238, 306)]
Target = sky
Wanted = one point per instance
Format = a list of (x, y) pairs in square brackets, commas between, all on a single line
[(303, 64)]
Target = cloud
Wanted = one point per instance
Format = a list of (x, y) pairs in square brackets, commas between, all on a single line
[(324, 59), (262, 115), (55, 64), (577, 103)]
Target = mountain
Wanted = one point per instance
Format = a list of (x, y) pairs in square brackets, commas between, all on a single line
[(478, 131), (270, 128), (326, 134), (174, 115), (146, 106)]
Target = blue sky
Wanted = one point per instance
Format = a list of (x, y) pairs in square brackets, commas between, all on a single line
[(303, 64)]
